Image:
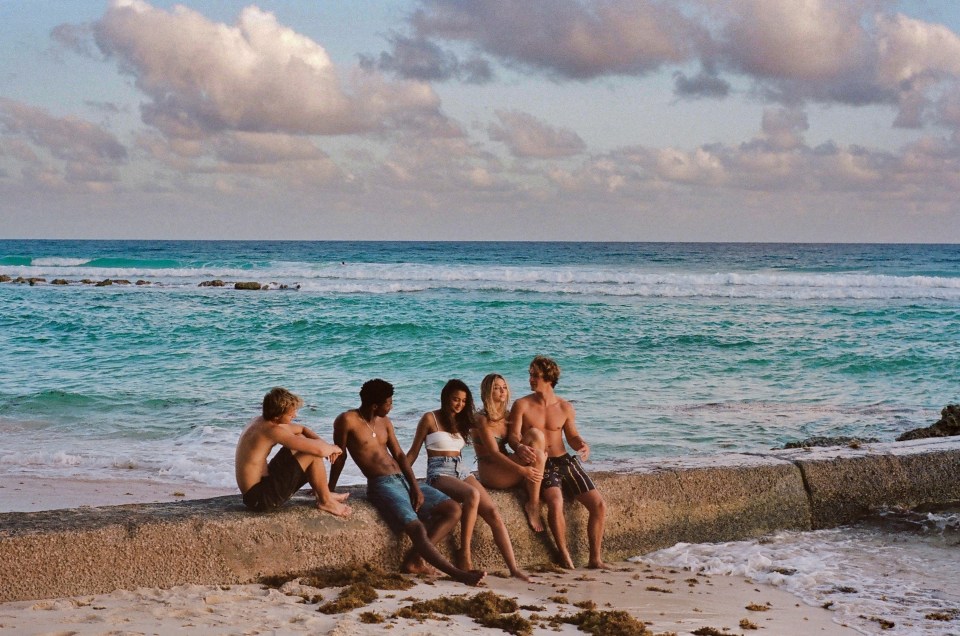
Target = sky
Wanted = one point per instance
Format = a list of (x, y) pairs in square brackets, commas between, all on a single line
[(602, 120)]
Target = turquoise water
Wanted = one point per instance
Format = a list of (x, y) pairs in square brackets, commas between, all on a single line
[(666, 349)]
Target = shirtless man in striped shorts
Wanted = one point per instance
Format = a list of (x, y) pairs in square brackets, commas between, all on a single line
[(564, 475)]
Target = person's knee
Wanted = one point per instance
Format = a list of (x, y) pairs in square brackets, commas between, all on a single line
[(534, 437), (448, 509), (596, 504), (471, 500)]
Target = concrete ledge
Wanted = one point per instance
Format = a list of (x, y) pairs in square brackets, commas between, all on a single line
[(216, 541)]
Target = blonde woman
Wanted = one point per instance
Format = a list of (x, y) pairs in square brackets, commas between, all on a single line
[(497, 466), (444, 432)]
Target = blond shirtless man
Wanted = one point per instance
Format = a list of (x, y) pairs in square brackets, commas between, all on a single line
[(299, 461), (563, 475), (392, 489)]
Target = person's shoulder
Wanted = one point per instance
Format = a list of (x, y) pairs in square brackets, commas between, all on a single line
[(524, 401), (347, 417)]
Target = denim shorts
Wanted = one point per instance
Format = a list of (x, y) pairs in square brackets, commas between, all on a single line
[(446, 467), (390, 495)]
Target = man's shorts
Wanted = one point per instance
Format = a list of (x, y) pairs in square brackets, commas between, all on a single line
[(390, 494), (285, 477), (567, 473)]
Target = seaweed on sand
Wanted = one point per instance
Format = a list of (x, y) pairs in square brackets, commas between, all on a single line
[(486, 608), (606, 623), (338, 577), (351, 597)]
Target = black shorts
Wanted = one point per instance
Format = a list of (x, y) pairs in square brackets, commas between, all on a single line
[(566, 472), (285, 477)]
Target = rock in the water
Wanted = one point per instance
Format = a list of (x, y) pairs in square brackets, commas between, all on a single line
[(247, 285), (211, 283), (4, 278), (853, 442), (947, 426), (59, 281)]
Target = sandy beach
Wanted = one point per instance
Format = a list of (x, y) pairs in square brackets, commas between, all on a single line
[(659, 600)]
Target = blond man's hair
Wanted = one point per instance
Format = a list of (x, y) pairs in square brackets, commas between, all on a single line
[(278, 401)]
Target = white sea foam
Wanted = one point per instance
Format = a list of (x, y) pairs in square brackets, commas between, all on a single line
[(59, 262), (864, 574), (380, 278)]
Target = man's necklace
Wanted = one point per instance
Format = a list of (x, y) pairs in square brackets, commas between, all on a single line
[(372, 432)]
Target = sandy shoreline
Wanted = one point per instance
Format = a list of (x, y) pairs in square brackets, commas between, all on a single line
[(665, 600)]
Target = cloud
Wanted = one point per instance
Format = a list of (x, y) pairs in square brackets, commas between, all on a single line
[(256, 76), (66, 138), (528, 137), (84, 155), (704, 84), (421, 59), (566, 38), (855, 52)]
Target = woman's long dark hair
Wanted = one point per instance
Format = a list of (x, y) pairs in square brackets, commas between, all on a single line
[(464, 421)]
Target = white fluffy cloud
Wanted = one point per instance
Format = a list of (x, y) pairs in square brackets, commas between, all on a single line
[(257, 76)]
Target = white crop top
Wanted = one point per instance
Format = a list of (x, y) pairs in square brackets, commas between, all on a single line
[(443, 441)]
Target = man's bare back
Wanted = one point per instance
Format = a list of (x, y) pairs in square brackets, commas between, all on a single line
[(267, 485)]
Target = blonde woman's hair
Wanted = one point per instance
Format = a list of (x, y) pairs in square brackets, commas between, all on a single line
[(278, 401), (491, 410)]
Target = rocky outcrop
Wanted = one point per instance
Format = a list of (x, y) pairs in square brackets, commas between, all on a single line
[(247, 285), (947, 426), (211, 283), (822, 442), (662, 501)]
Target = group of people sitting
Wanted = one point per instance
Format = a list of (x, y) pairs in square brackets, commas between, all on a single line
[(518, 446)]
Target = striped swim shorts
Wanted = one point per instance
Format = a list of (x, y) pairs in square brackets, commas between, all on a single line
[(566, 472)]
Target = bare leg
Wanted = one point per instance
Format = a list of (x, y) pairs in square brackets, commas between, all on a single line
[(597, 509), (317, 477), (558, 524), (446, 514), (489, 513), (469, 499), (534, 439)]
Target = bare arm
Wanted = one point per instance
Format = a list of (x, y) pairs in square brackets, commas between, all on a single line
[(484, 439), (576, 442), (416, 497), (296, 441), (418, 438), (340, 438), (515, 433)]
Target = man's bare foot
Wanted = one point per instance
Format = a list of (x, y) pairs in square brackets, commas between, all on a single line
[(340, 496), (599, 565), (414, 564), (533, 517), (470, 577), (334, 507), (566, 562), (520, 574)]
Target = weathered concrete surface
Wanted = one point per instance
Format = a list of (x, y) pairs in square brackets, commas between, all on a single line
[(93, 550), (846, 483)]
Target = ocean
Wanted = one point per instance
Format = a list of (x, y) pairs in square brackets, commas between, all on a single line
[(666, 349)]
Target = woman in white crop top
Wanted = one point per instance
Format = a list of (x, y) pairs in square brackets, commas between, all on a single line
[(445, 432)]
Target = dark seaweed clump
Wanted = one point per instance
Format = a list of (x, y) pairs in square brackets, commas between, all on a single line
[(351, 597), (486, 608), (606, 623), (328, 577)]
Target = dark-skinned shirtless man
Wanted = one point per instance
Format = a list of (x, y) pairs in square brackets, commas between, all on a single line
[(423, 513)]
